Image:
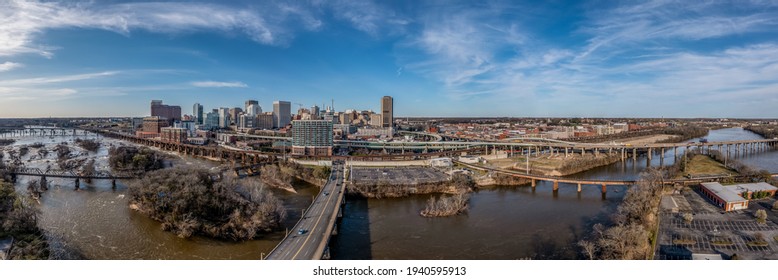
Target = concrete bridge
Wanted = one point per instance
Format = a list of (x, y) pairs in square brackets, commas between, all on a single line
[(309, 238), (597, 182)]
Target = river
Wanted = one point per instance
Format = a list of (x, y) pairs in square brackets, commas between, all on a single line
[(94, 222), (502, 222)]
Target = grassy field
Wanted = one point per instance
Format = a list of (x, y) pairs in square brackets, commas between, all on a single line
[(704, 165)]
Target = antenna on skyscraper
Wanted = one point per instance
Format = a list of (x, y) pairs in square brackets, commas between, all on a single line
[(333, 105)]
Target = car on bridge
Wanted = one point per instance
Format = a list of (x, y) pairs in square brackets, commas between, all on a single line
[(301, 231)]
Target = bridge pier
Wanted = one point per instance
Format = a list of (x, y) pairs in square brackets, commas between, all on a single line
[(78, 184), (44, 183), (113, 184), (533, 184), (604, 189), (579, 187), (662, 157), (634, 154), (556, 185)]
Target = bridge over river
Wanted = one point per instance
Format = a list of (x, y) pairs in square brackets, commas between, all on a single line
[(309, 238)]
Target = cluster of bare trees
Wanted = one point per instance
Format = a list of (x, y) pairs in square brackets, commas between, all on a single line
[(766, 131), (683, 133), (576, 164), (446, 205), (88, 144), (633, 224), (459, 183), (190, 201), (36, 188), (6, 142), (275, 176), (18, 219), (133, 159), (88, 169)]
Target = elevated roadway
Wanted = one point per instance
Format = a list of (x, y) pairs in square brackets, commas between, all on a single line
[(309, 238)]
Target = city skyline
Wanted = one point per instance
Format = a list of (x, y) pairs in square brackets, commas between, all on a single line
[(436, 59)]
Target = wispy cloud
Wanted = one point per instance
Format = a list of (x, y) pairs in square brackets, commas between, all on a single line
[(8, 66), (56, 79), (660, 21), (214, 84), (21, 21), (369, 16)]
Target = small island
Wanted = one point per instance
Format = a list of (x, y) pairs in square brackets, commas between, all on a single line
[(191, 201)]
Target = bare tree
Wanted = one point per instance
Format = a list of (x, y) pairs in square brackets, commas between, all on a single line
[(688, 218), (589, 248), (761, 216)]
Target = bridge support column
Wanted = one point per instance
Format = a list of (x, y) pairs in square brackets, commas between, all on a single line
[(675, 153), (565, 152), (634, 154), (604, 188), (78, 184), (650, 153), (579, 187), (534, 184), (113, 184), (662, 157), (556, 186)]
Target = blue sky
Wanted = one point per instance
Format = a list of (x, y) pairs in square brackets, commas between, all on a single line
[(436, 58)]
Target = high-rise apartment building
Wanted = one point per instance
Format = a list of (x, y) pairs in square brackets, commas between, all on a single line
[(264, 121), (315, 112), (312, 138), (197, 112), (171, 113), (387, 111), (282, 113)]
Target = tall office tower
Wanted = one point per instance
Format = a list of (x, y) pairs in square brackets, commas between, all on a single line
[(224, 117), (171, 113), (234, 113), (197, 112), (387, 111), (253, 110), (248, 103), (315, 112), (211, 120), (282, 113)]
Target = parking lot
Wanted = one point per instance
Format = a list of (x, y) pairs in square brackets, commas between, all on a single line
[(713, 231), (399, 175)]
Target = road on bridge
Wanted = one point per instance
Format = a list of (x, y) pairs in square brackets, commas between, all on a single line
[(308, 239)]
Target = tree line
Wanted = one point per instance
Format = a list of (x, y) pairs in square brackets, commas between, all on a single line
[(634, 224)]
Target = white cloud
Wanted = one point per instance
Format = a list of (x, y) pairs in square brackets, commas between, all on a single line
[(21, 21), (56, 79), (219, 84), (8, 66), (369, 16)]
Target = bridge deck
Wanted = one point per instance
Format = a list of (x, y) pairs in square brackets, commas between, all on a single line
[(317, 223)]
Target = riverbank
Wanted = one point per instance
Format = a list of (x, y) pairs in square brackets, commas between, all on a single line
[(555, 165)]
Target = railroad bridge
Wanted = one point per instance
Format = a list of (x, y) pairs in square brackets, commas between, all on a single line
[(78, 176)]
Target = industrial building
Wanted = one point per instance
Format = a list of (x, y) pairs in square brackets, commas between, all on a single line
[(734, 197)]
